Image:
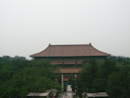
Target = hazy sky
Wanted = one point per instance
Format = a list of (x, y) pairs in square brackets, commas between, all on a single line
[(28, 26)]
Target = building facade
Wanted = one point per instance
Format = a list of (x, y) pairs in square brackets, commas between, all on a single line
[(69, 58)]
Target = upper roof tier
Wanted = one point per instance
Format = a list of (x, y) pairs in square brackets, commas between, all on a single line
[(70, 51)]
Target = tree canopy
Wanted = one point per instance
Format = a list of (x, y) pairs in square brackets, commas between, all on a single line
[(18, 77), (111, 75)]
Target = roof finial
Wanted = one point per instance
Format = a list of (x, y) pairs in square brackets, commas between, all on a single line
[(89, 43), (49, 44)]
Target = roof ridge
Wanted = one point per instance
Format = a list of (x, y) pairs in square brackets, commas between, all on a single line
[(70, 45)]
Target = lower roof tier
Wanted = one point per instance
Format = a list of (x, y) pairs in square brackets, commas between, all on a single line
[(69, 70)]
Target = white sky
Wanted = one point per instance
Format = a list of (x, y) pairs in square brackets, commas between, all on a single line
[(28, 26)]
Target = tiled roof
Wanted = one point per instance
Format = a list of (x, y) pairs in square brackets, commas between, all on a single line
[(99, 94), (69, 70), (70, 51), (39, 94)]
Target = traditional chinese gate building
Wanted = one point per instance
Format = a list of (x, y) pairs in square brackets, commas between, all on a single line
[(69, 58)]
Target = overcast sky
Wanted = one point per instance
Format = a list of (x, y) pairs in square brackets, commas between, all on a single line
[(28, 26)]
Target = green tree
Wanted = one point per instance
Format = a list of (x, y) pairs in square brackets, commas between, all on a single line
[(118, 83), (72, 82), (20, 77), (88, 74), (107, 68), (79, 88)]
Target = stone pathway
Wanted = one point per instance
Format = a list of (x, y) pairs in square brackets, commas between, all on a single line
[(68, 93)]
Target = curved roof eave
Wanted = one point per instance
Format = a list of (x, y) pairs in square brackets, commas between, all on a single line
[(70, 51)]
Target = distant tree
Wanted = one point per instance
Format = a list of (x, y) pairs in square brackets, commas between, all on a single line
[(72, 82), (108, 67), (88, 74), (79, 88), (20, 77), (118, 83), (111, 75)]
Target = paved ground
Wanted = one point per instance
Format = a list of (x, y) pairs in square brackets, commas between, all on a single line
[(68, 93)]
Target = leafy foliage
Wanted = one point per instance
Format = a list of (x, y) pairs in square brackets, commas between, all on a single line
[(18, 77), (111, 75), (88, 74), (118, 83), (72, 81)]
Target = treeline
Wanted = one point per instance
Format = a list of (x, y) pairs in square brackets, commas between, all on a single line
[(111, 75), (19, 76)]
